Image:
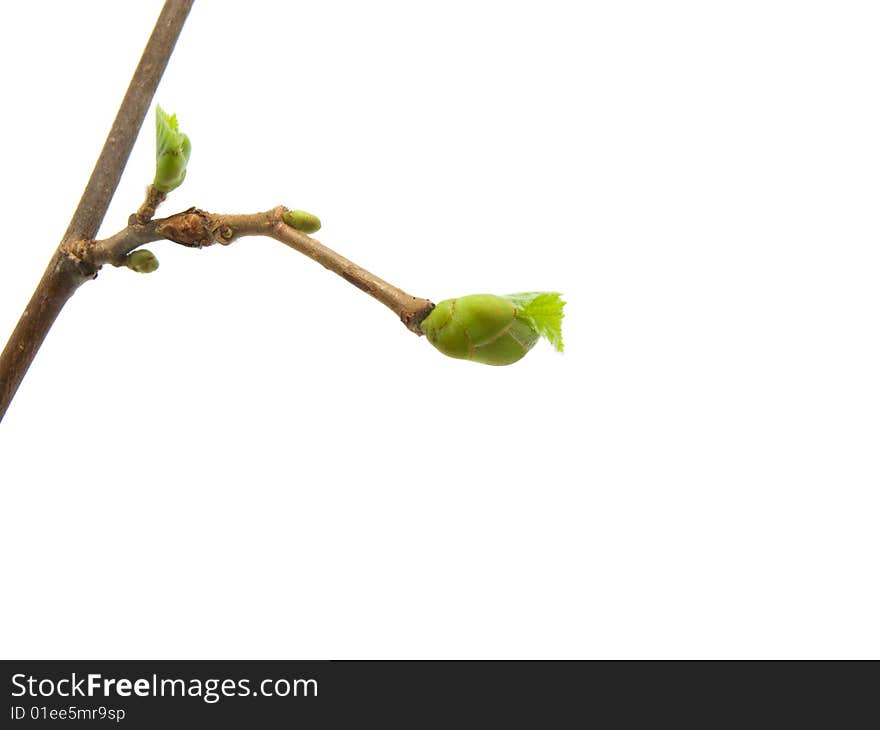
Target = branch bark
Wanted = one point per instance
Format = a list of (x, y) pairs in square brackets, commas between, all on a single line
[(67, 269), (197, 228), (80, 256)]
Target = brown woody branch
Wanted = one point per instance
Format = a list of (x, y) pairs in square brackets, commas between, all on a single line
[(69, 268), (197, 228), (80, 256)]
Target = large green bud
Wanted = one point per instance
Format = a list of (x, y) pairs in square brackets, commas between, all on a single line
[(172, 152), (495, 330)]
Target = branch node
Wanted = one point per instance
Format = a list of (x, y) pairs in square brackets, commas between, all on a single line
[(192, 228), (78, 252), (153, 200), (413, 317), (225, 234)]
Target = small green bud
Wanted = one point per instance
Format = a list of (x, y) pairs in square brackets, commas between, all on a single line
[(494, 330), (142, 261), (172, 152), (302, 221)]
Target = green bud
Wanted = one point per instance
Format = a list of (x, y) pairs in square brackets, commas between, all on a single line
[(142, 261), (494, 330), (172, 152), (302, 221)]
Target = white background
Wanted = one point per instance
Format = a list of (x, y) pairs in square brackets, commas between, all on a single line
[(242, 456)]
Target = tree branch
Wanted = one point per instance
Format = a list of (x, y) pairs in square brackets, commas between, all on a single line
[(68, 269), (197, 228), (108, 169), (80, 256)]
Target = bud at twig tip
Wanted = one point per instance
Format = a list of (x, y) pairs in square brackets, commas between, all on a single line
[(301, 220), (495, 330)]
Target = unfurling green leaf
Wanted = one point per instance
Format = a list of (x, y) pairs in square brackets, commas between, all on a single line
[(543, 311), (302, 221), (172, 152), (142, 261), (494, 330)]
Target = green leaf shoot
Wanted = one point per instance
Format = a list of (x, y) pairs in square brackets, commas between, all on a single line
[(543, 310), (172, 152)]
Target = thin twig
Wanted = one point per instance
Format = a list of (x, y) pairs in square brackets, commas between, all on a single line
[(197, 228), (68, 269), (153, 199)]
